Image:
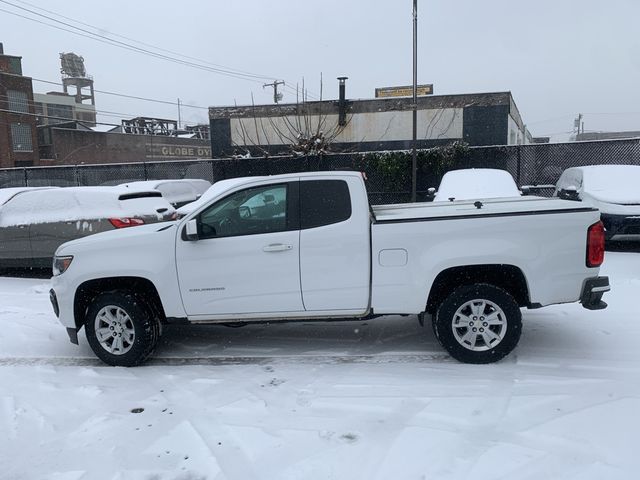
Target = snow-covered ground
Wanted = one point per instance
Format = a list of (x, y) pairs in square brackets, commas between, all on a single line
[(358, 400)]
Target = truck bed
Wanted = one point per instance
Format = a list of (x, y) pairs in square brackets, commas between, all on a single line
[(468, 208)]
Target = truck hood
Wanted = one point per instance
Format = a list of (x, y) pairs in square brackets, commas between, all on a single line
[(114, 236)]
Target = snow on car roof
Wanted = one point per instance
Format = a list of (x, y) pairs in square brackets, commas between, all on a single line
[(78, 203), (605, 176), (198, 184), (174, 190), (612, 183), (7, 193), (475, 183)]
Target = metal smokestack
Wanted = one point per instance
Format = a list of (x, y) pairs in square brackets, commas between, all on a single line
[(342, 102)]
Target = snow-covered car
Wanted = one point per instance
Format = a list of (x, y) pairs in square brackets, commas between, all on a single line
[(476, 184), (35, 222), (612, 189), (309, 246), (176, 192)]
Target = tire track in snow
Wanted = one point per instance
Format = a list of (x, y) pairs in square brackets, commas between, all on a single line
[(234, 360)]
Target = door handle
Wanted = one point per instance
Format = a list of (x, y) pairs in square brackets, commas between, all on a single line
[(277, 247)]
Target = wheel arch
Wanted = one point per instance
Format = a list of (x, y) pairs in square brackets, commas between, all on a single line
[(508, 277), (87, 291)]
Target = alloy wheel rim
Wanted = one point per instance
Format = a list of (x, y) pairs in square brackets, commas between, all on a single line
[(114, 330), (479, 325)]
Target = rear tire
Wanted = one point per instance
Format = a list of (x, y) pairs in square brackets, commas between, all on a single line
[(478, 323), (121, 328)]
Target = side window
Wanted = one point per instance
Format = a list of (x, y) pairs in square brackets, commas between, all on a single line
[(323, 202), (247, 212)]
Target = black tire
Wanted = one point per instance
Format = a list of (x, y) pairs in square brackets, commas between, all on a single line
[(500, 322), (141, 320)]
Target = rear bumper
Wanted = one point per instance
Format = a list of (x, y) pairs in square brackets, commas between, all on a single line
[(592, 292), (621, 225)]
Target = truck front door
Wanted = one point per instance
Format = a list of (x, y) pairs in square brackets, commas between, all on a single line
[(246, 258)]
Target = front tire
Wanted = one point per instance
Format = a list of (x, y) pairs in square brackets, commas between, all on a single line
[(121, 328), (478, 323)]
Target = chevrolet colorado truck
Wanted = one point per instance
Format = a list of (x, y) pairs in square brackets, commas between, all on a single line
[(309, 246)]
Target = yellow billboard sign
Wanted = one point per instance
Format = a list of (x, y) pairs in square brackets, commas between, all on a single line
[(404, 91)]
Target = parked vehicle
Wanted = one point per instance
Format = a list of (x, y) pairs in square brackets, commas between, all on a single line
[(176, 192), (34, 222), (612, 189), (475, 184), (308, 246)]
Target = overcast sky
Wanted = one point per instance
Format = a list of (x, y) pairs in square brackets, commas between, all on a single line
[(558, 57)]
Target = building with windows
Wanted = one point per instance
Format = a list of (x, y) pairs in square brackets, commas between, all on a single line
[(59, 107), (361, 125), (18, 137)]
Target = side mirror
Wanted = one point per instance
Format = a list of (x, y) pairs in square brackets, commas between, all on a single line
[(192, 230), (569, 193), (431, 194)]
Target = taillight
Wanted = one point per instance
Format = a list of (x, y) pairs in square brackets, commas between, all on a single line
[(595, 245), (123, 222)]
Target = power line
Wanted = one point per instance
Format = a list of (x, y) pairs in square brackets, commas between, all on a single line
[(62, 119), (139, 42), (106, 113), (134, 97), (104, 39), (126, 46)]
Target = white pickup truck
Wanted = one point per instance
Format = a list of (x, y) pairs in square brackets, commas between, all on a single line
[(308, 246)]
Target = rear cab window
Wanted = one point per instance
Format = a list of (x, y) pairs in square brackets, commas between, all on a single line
[(324, 202)]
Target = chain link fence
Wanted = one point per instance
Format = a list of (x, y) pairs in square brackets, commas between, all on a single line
[(388, 173)]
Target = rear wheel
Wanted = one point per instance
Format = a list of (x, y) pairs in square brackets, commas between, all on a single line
[(121, 328), (478, 323)]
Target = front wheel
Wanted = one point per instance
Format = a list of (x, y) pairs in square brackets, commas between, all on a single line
[(121, 328), (478, 323)]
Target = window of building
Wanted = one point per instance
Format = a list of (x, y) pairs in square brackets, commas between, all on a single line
[(21, 137), (324, 202), (58, 113), (18, 101), (40, 119)]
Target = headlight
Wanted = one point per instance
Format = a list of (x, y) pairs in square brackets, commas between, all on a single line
[(60, 264)]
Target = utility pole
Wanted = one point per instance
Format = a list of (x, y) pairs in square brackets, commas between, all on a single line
[(276, 96), (178, 114), (577, 123), (414, 153)]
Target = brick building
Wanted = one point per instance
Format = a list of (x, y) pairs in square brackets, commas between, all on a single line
[(18, 137)]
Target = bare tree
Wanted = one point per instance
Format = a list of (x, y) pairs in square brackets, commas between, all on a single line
[(304, 127)]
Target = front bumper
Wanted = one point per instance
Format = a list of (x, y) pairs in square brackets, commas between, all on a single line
[(592, 291), (72, 332)]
